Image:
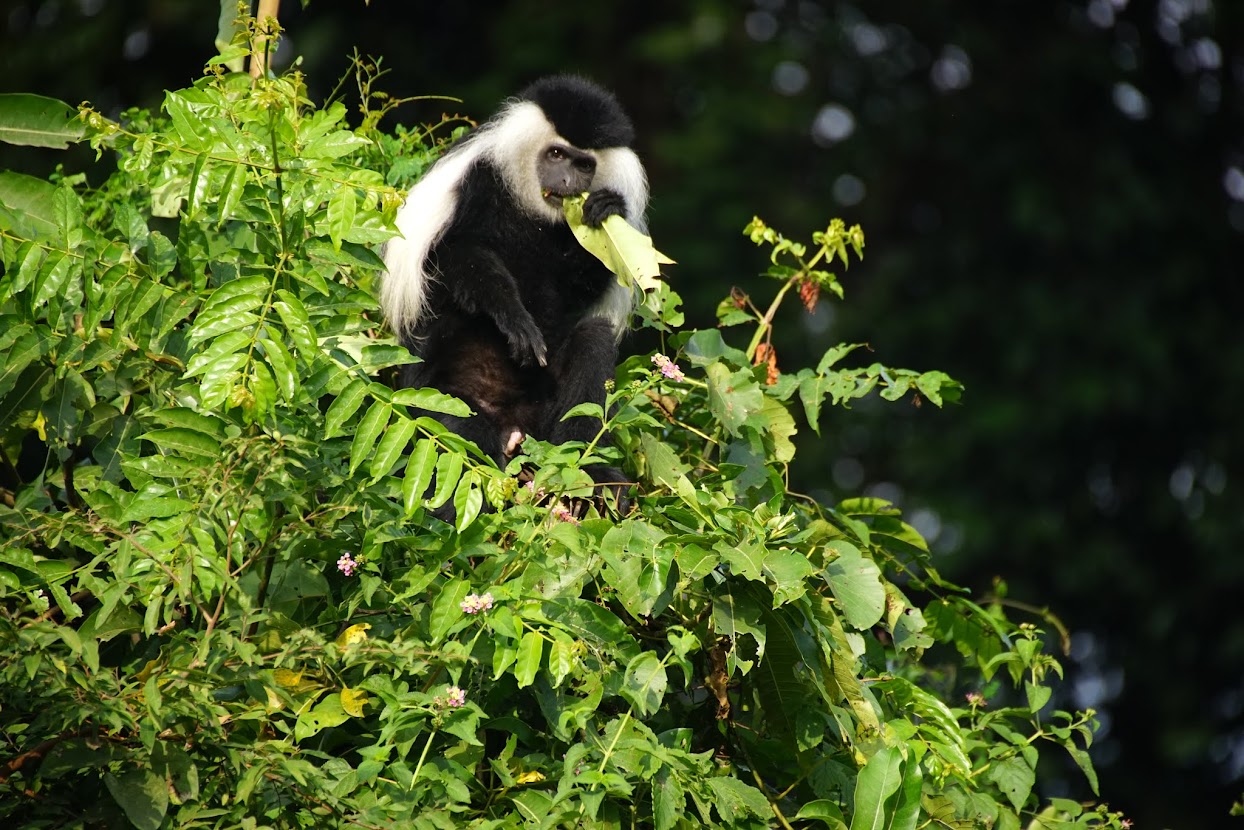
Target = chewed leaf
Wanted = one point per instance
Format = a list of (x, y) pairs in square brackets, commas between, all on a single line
[(624, 250)]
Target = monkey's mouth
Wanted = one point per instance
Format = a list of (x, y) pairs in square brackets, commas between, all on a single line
[(553, 197)]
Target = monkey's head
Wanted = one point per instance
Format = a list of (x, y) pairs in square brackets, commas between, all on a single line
[(563, 136)]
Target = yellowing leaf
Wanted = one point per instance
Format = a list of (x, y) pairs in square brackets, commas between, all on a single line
[(624, 250), (529, 777), (352, 701), (353, 635), (287, 679)]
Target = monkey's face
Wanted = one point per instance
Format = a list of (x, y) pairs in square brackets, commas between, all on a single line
[(564, 171)]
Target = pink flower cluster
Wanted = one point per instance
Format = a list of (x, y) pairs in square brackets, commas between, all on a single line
[(563, 514), (668, 367), (456, 698), (474, 603), (347, 564)]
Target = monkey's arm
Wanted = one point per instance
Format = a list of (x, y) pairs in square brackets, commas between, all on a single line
[(480, 283)]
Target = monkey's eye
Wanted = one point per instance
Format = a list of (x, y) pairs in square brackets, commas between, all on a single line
[(557, 154)]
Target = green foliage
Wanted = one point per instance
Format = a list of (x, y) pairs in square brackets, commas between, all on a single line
[(223, 602)]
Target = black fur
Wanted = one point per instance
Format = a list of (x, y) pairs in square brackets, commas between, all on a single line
[(507, 326), (586, 115)]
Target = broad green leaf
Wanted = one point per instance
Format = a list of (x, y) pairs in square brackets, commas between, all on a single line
[(209, 326), (468, 500), (733, 397), (1015, 778), (640, 567), (644, 683), (527, 663), (180, 416), (29, 202), (283, 369), (327, 713), (142, 795), (1037, 695), (736, 801), (669, 800), (857, 584), (561, 656), (880, 778), (344, 406), (448, 473), (447, 609), (392, 443), (369, 430), (747, 560), (28, 348), (143, 507), (430, 400), (38, 121), (707, 346), (664, 466), (231, 193), (222, 298), (376, 356), (341, 209), (334, 145), (737, 616), (223, 346), (190, 128), (420, 465), (787, 572), (184, 441), (778, 422), (52, 276), (907, 807), (824, 811), (29, 258), (1085, 762), (67, 210), (294, 315), (588, 621)]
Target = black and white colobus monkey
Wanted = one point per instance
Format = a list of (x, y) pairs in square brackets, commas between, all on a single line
[(489, 286)]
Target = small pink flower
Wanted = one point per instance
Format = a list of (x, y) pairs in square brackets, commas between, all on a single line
[(976, 699), (474, 603), (347, 564), (667, 367), (562, 513), (456, 698)]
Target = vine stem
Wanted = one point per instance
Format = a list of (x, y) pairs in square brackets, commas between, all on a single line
[(766, 322), (422, 757), (617, 737)]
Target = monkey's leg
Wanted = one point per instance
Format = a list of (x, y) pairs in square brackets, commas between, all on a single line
[(581, 366)]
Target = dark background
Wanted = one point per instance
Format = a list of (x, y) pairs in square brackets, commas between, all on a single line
[(1053, 194)]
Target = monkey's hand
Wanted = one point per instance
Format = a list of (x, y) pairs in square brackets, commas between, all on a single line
[(527, 345), (600, 205)]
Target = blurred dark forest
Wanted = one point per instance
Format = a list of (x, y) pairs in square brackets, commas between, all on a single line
[(1053, 194)]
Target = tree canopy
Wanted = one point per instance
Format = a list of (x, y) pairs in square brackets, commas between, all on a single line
[(1052, 195)]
